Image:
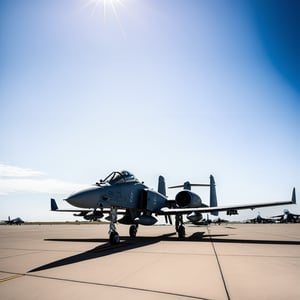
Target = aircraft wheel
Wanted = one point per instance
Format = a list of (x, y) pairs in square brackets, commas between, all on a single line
[(133, 231), (114, 238), (181, 232)]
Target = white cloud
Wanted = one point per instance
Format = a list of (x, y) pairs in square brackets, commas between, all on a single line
[(13, 171), (17, 180), (51, 186)]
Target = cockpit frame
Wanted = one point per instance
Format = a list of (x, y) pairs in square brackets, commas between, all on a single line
[(117, 177)]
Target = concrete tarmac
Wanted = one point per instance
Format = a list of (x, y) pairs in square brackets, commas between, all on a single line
[(230, 261)]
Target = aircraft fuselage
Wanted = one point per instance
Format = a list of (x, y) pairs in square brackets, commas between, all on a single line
[(124, 194), (133, 195)]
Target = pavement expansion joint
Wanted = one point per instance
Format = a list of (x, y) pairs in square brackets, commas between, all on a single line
[(18, 275), (219, 265)]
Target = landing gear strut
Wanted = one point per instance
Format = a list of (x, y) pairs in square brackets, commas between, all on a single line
[(179, 226), (113, 234), (133, 230)]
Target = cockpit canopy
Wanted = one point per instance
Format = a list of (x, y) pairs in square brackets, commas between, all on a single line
[(119, 177)]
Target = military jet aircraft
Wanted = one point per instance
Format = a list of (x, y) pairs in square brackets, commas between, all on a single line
[(122, 193), (260, 220), (286, 217), (15, 221), (219, 221)]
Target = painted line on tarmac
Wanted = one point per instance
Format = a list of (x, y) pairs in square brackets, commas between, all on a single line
[(11, 277)]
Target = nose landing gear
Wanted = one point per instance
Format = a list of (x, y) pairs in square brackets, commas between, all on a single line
[(114, 238)]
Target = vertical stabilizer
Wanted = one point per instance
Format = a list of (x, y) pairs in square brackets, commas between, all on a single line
[(53, 204), (213, 195), (187, 185), (161, 185), (294, 196)]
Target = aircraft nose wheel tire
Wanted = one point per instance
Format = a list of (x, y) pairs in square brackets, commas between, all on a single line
[(114, 238), (181, 232), (132, 231)]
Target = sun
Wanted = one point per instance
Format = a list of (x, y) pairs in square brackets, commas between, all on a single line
[(112, 5)]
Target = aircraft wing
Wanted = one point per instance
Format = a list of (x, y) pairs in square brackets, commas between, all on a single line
[(294, 215), (54, 207), (229, 208), (81, 212), (282, 215), (278, 216)]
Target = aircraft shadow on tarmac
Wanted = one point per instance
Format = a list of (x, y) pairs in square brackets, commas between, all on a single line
[(138, 242)]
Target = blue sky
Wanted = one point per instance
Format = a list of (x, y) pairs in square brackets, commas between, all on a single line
[(179, 88)]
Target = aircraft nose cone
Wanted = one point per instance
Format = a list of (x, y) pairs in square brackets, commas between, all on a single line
[(84, 199), (74, 199)]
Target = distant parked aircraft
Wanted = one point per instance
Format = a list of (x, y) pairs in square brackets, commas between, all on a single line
[(259, 219), (208, 221), (16, 221), (287, 217), (219, 221)]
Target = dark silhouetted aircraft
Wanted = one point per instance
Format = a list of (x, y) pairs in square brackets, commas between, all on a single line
[(122, 193), (16, 221), (219, 221), (287, 217), (260, 220)]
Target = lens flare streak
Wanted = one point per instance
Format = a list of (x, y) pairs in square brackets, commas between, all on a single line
[(106, 5)]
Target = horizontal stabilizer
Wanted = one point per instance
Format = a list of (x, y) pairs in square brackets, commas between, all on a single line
[(189, 184)]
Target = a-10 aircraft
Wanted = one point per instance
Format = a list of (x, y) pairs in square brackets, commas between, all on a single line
[(15, 221), (122, 193), (286, 217), (260, 220)]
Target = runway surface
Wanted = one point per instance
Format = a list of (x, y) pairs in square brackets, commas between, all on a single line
[(234, 261)]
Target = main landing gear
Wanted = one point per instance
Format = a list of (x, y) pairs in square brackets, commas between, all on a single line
[(133, 230), (114, 237), (179, 226)]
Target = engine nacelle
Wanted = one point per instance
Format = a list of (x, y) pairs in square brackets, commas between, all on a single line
[(152, 201), (188, 199)]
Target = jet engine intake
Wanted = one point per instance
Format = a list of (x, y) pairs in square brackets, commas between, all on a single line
[(188, 199)]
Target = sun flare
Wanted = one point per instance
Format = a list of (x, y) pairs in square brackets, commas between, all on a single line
[(106, 5)]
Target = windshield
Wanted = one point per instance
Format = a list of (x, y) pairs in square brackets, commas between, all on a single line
[(119, 177)]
